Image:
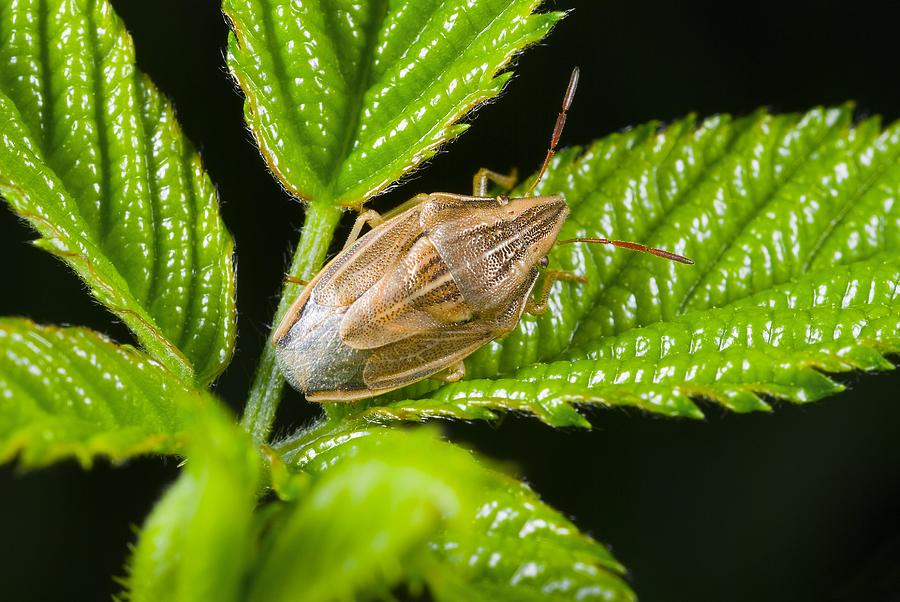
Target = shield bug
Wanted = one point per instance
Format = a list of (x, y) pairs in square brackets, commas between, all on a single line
[(432, 281)]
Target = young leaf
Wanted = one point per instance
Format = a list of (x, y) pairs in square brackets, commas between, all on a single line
[(71, 392), (197, 544), (92, 157), (344, 98), (502, 542), (361, 526), (518, 548), (792, 224)]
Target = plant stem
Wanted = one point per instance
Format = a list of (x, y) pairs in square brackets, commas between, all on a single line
[(319, 225)]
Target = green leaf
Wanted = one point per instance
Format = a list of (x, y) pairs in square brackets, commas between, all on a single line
[(197, 544), (497, 540), (71, 392), (344, 98), (361, 525), (732, 356), (518, 548), (92, 157), (795, 232)]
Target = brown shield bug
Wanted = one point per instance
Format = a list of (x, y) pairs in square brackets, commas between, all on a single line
[(433, 280)]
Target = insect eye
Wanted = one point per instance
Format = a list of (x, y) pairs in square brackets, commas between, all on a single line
[(544, 261)]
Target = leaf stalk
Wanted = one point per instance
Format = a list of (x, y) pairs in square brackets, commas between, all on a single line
[(319, 225)]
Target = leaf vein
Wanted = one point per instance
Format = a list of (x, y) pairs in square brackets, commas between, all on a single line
[(47, 117), (768, 199), (848, 205), (153, 188), (359, 87), (280, 73), (738, 130), (194, 235), (450, 62), (103, 225)]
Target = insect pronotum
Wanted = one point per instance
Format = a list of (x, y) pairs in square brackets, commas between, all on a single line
[(433, 281)]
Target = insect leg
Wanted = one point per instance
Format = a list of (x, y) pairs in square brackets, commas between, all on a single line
[(416, 200), (294, 280), (540, 306), (484, 175), (371, 217), (451, 374)]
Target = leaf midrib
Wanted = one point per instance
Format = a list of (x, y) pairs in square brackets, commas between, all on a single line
[(152, 188), (357, 97), (47, 117), (191, 285), (280, 72), (103, 224)]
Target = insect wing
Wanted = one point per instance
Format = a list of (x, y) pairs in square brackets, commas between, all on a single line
[(419, 295), (492, 245), (353, 271), (422, 355)]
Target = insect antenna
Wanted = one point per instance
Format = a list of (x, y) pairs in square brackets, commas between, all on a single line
[(634, 246), (557, 129)]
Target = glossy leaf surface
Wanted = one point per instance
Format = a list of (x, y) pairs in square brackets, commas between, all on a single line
[(71, 392), (502, 543), (344, 98), (733, 356), (792, 215), (390, 500), (92, 157), (197, 544)]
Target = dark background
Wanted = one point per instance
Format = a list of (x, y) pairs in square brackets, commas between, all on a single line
[(803, 504)]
